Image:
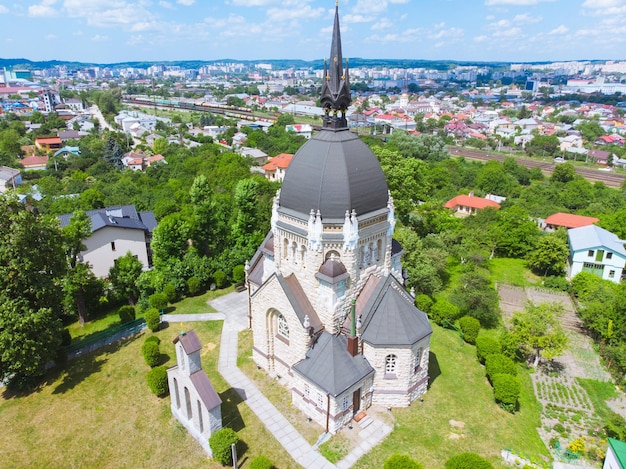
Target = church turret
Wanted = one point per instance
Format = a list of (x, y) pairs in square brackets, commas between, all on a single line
[(335, 97)]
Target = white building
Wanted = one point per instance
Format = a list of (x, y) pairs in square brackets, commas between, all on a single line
[(114, 232), (9, 178), (615, 455), (194, 401), (596, 250)]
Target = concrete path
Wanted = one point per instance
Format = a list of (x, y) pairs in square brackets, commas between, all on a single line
[(233, 309)]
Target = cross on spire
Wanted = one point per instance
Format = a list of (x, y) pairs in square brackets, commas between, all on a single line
[(335, 96)]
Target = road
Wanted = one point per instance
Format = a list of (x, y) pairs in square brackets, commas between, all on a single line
[(95, 112), (592, 175)]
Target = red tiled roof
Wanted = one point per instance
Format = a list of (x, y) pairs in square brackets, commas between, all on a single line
[(49, 140), (34, 161), (569, 220), (279, 161), (471, 201)]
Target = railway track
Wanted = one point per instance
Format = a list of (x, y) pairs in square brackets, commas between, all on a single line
[(593, 175)]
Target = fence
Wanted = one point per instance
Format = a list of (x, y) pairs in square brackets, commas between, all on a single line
[(107, 337)]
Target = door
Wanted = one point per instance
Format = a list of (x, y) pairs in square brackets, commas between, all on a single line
[(356, 401)]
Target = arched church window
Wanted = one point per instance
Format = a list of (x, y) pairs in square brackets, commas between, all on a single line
[(176, 395), (390, 364), (285, 248), (330, 254), (418, 361), (302, 253), (379, 248), (283, 328), (294, 249), (188, 403)]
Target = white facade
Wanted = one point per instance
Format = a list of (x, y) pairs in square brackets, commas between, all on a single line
[(596, 250), (109, 243)]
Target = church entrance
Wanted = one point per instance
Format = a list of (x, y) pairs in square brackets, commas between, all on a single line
[(356, 401)]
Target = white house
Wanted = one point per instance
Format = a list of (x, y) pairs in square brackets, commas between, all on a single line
[(114, 232), (9, 178), (194, 401), (615, 455), (596, 250)]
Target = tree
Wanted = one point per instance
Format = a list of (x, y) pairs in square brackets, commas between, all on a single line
[(549, 257), (221, 442), (32, 265), (123, 276), (113, 152), (564, 172), (475, 297), (401, 461), (538, 331), (516, 232)]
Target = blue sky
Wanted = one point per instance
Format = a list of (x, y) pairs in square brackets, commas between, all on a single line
[(107, 31)]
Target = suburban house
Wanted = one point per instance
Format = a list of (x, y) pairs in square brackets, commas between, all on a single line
[(139, 161), (276, 167), (194, 401), (464, 205), (615, 455), (300, 129), (596, 250), (34, 162), (67, 151), (9, 178), (331, 318), (600, 156), (114, 232), (48, 143), (568, 221)]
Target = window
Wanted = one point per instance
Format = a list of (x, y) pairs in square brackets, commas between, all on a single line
[(307, 391), (177, 400), (283, 328), (611, 274), (188, 402), (112, 245), (320, 400), (390, 365), (417, 361), (200, 422), (345, 403), (609, 255), (590, 253)]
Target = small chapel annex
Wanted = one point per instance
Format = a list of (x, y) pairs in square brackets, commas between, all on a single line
[(330, 316)]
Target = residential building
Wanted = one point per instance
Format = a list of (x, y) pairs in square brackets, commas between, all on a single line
[(330, 316), (567, 221), (464, 205), (596, 250), (9, 178), (600, 156), (34, 162), (615, 455), (304, 130), (276, 167), (194, 401), (114, 232), (48, 143)]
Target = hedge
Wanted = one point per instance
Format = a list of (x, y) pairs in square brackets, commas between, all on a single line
[(499, 364), (158, 301), (193, 285), (470, 327), (151, 353), (153, 338), (485, 346), (126, 313), (220, 278), (468, 461), (401, 461), (506, 391), (157, 381), (443, 311), (239, 273), (261, 462), (423, 302), (153, 319), (220, 443)]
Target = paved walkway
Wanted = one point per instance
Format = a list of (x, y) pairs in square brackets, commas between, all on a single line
[(233, 309)]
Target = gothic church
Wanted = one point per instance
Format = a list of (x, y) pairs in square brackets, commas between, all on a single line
[(330, 316)]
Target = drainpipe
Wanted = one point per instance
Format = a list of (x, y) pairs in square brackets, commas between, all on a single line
[(327, 410)]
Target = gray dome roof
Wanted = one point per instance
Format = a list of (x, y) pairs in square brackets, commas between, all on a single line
[(334, 172)]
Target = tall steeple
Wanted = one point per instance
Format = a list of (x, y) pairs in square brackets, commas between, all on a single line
[(335, 97)]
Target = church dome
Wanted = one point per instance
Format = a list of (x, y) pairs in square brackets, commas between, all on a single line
[(333, 172)]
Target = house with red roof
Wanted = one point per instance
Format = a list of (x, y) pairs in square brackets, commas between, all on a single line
[(48, 143), (34, 162), (276, 167), (464, 205), (568, 221)]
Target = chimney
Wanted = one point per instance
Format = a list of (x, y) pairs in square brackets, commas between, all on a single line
[(353, 341)]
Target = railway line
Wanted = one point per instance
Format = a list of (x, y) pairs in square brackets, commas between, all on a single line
[(593, 175)]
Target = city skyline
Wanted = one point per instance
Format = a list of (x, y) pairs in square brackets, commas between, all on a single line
[(101, 31)]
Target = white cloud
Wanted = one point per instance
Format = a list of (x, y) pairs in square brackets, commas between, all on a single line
[(99, 38), (165, 4), (601, 3), (356, 19), (513, 32), (283, 14), (107, 13), (515, 2), (187, 3), (383, 23), (559, 30), (526, 19), (3, 10), (481, 38), (51, 36), (252, 3), (44, 9)]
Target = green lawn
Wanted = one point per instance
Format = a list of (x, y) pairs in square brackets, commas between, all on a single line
[(513, 272), (461, 392), (99, 412)]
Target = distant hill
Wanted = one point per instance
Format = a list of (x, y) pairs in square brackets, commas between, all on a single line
[(281, 63)]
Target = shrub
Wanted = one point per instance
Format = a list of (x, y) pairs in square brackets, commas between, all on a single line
[(193, 285), (66, 338), (486, 346), (506, 391), (443, 311), (126, 313), (401, 461), (153, 319), (423, 302), (470, 327), (261, 462), (170, 292), (497, 363), (158, 301), (468, 461), (151, 353), (153, 338), (239, 273), (157, 381), (220, 443), (220, 278), (557, 283)]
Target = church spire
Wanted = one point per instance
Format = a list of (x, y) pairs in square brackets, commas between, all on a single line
[(335, 97)]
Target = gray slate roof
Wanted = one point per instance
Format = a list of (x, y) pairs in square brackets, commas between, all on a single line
[(125, 216), (189, 341), (330, 367), (205, 389), (388, 315), (592, 236), (333, 172)]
